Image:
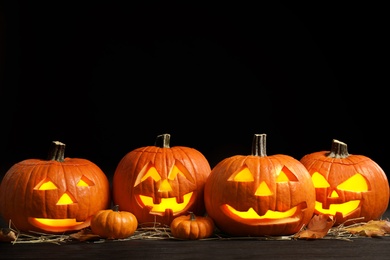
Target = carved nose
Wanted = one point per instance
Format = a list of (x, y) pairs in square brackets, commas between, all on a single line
[(65, 199)]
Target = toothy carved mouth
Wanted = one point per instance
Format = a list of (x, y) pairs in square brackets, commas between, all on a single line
[(251, 215), (343, 208), (166, 203)]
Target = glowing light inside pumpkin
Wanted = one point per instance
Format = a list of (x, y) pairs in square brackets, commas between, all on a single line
[(242, 176), (319, 181), (282, 177), (58, 222), (166, 203), (47, 185), (83, 183), (263, 190), (343, 208), (245, 175), (164, 186), (65, 199), (356, 183), (334, 194), (151, 171), (270, 214)]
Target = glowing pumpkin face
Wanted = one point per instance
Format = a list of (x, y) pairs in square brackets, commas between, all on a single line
[(158, 184), (259, 195), (165, 183), (53, 196), (351, 188)]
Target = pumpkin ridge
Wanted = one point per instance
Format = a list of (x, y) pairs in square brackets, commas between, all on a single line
[(31, 179)]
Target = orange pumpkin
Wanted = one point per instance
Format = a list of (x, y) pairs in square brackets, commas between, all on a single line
[(192, 227), (349, 187), (55, 195), (259, 195), (159, 183), (114, 224)]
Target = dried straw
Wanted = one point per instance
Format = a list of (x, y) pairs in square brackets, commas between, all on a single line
[(157, 231)]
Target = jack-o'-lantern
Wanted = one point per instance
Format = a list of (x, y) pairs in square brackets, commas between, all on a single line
[(259, 195), (56, 195), (351, 188), (158, 183)]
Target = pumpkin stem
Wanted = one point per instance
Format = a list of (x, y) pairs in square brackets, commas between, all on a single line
[(338, 150), (259, 145), (163, 141), (115, 208), (192, 216), (57, 151)]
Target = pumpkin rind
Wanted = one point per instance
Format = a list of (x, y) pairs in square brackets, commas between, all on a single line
[(224, 193), (114, 224), (192, 227), (22, 200), (338, 166), (131, 181)]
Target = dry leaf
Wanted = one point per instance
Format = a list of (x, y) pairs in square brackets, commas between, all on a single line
[(85, 235), (318, 227), (7, 235), (372, 228)]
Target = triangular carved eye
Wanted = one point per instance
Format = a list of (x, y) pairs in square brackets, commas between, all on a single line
[(286, 175), (85, 182), (179, 169), (356, 183), (319, 181), (46, 184), (150, 171), (243, 175)]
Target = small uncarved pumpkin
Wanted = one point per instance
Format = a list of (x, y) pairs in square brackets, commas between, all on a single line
[(192, 227), (114, 224), (352, 188)]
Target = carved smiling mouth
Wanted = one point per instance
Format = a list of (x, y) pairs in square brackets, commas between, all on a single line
[(166, 203), (252, 217), (343, 208), (59, 225), (66, 222)]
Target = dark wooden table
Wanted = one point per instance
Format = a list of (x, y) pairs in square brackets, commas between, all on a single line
[(367, 248), (226, 248)]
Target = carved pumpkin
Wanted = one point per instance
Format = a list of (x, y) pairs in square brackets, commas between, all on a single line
[(259, 195), (192, 227), (158, 183), (348, 187), (53, 196), (114, 224)]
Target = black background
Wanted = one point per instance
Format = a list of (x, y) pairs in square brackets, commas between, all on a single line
[(106, 77)]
